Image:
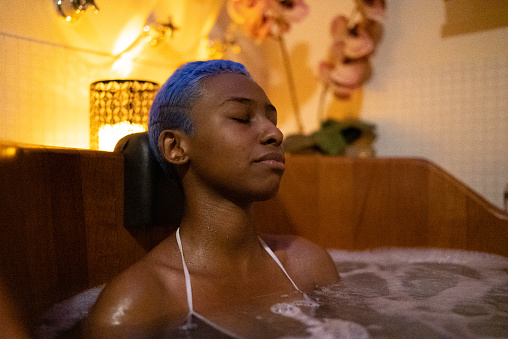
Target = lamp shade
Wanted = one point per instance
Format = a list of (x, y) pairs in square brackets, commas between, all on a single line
[(118, 108)]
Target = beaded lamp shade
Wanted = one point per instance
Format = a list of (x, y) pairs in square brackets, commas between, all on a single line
[(118, 108)]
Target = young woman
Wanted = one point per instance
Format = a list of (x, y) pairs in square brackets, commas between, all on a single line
[(217, 127)]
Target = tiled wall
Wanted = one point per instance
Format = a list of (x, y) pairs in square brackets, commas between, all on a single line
[(44, 90), (455, 114)]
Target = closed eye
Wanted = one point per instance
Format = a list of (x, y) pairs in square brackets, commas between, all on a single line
[(242, 120)]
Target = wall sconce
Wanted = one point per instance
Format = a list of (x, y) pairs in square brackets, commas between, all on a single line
[(155, 32), (118, 108), (72, 10)]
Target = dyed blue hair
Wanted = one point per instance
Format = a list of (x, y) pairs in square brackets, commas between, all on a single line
[(171, 108)]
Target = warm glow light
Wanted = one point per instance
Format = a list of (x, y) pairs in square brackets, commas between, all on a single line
[(110, 134), (118, 107), (123, 65), (8, 152), (128, 38)]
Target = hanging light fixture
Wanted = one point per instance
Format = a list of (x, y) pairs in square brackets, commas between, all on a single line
[(118, 108), (72, 10)]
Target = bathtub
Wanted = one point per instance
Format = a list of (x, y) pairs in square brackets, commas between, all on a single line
[(63, 231)]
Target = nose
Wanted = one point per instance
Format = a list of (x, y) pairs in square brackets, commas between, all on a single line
[(271, 134)]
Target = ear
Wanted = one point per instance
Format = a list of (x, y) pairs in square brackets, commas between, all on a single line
[(173, 146)]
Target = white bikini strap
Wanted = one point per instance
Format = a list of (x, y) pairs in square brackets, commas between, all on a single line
[(188, 287), (187, 275), (270, 252)]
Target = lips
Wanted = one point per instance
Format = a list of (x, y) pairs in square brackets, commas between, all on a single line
[(273, 159), (275, 156)]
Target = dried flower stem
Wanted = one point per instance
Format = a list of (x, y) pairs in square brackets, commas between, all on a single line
[(360, 9), (321, 105), (291, 83)]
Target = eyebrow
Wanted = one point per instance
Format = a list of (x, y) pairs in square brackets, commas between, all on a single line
[(247, 101)]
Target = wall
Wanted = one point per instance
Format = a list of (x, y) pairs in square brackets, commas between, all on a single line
[(445, 99), (47, 64)]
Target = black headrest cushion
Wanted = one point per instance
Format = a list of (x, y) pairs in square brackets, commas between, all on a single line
[(151, 197)]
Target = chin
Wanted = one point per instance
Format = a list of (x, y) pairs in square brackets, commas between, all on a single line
[(260, 190), (266, 194), (255, 195), (264, 197)]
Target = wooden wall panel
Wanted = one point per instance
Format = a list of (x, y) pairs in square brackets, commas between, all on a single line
[(61, 224), (110, 247), (358, 204), (13, 249)]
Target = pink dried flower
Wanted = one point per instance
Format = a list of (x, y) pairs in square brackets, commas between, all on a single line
[(358, 43), (262, 18), (374, 9), (347, 67), (343, 78), (293, 11)]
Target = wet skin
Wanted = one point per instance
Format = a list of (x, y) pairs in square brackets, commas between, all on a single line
[(233, 158)]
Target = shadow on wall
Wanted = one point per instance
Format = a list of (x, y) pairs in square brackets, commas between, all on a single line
[(303, 71)]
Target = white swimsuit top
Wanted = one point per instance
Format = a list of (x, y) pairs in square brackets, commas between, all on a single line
[(188, 287)]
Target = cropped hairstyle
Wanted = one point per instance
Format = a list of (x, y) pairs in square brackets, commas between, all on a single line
[(171, 108)]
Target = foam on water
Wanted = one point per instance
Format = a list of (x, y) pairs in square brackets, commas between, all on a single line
[(404, 293), (319, 328), (415, 293)]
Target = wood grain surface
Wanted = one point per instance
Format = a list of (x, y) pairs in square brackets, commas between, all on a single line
[(358, 204), (61, 215)]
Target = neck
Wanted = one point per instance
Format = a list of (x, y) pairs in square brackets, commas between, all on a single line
[(219, 227)]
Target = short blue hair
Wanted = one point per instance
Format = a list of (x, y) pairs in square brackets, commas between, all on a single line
[(173, 103)]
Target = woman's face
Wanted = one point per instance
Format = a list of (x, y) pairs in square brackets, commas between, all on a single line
[(236, 149)]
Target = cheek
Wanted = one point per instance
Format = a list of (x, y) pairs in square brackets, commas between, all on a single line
[(221, 152), (234, 145)]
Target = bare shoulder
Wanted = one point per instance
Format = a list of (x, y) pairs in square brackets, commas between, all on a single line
[(135, 303), (304, 260)]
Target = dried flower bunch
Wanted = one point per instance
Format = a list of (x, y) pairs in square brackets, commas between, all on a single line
[(260, 19), (354, 41)]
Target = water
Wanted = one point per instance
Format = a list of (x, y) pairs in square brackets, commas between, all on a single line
[(410, 293), (318, 328), (404, 293)]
